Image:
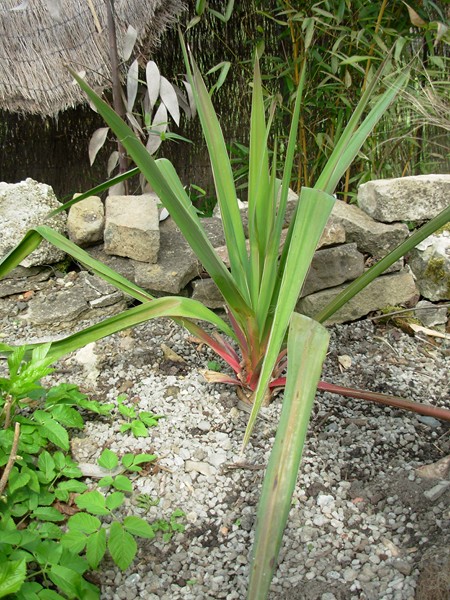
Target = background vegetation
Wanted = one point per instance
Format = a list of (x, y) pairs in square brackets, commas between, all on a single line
[(343, 42)]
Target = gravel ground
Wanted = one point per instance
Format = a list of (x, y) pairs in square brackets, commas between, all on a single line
[(363, 524)]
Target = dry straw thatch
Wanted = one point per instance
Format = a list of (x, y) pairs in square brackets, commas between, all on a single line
[(43, 36)]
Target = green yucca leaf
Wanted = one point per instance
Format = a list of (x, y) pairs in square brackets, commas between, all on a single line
[(314, 208), (377, 269), (307, 347), (173, 199), (223, 176)]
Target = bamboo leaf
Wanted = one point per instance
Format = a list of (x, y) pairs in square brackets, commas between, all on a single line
[(96, 143), (129, 42), (307, 347), (169, 97), (153, 79), (132, 85)]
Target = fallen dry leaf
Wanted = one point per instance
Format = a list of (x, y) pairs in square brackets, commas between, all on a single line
[(437, 470), (169, 354), (430, 332), (345, 361)]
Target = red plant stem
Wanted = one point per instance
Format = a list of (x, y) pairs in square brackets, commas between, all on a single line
[(394, 401)]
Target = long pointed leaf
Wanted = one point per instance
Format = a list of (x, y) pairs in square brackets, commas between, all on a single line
[(185, 217), (175, 307), (223, 175), (307, 347), (95, 191), (363, 281), (34, 237), (313, 211)]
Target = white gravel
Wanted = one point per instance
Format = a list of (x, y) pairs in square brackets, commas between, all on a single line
[(361, 519)]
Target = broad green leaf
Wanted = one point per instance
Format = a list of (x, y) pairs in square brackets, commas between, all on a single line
[(67, 416), (106, 481), (56, 434), (46, 464), (49, 595), (84, 523), (121, 546), (17, 480), (75, 541), (108, 459), (96, 548), (307, 347), (122, 483), (139, 429), (29, 591), (92, 502), (66, 579), (48, 513), (12, 576), (48, 551), (114, 500), (139, 527)]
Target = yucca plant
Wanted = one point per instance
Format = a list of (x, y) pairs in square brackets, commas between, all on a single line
[(261, 287)]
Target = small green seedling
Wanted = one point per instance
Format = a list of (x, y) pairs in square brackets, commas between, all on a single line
[(138, 422)]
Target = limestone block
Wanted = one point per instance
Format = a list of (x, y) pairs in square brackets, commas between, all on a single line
[(393, 289), (416, 198), (206, 292), (86, 221), (430, 263), (132, 227), (377, 239), (25, 205), (177, 264), (332, 266)]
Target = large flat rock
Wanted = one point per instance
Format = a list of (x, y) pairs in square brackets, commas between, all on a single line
[(415, 198), (387, 290), (377, 239)]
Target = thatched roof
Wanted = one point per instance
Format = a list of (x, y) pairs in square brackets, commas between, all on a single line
[(36, 42)]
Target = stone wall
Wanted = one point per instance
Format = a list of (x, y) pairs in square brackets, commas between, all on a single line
[(155, 255)]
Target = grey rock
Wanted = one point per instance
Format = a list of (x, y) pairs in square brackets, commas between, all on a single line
[(429, 421), (206, 292), (430, 315), (177, 264), (332, 266), (437, 490), (403, 566), (377, 239), (86, 221), (123, 266), (23, 206), (80, 298), (132, 227), (24, 279), (430, 263), (395, 288), (416, 198), (334, 233)]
